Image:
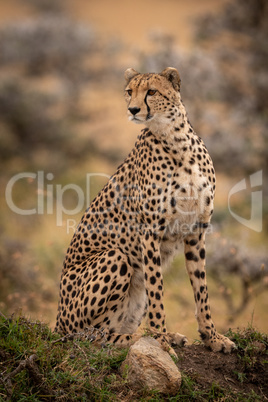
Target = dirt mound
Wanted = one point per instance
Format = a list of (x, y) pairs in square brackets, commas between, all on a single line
[(243, 371), (36, 364)]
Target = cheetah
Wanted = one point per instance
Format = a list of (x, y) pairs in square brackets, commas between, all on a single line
[(160, 196)]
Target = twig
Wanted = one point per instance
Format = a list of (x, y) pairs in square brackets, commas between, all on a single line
[(8, 386), (2, 315), (64, 339), (33, 369)]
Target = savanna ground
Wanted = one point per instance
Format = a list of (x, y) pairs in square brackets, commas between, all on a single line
[(37, 364), (62, 114)]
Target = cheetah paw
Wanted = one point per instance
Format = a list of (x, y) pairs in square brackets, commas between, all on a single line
[(220, 343), (176, 339)]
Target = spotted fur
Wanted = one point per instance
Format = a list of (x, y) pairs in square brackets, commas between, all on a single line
[(160, 196)]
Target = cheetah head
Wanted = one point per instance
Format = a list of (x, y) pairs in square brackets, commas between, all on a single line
[(152, 98)]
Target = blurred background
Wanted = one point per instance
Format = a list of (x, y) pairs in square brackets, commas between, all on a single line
[(63, 116)]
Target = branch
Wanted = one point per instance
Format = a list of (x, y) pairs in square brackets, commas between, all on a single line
[(2, 315), (34, 373)]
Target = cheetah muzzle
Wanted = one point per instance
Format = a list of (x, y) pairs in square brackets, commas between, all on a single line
[(160, 196)]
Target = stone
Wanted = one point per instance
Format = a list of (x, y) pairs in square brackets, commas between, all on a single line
[(147, 365)]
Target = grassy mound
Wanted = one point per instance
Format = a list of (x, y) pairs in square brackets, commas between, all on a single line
[(36, 365)]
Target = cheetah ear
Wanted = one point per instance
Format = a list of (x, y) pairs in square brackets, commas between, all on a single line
[(172, 75), (129, 74)]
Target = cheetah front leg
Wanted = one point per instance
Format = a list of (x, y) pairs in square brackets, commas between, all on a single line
[(154, 290), (194, 248)]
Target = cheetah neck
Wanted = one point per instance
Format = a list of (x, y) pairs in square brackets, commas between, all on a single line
[(175, 131)]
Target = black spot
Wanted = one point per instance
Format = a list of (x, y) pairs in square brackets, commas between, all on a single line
[(107, 278), (114, 297), (123, 270), (152, 280), (203, 225), (93, 301), (189, 171), (162, 221), (191, 257), (197, 273), (173, 202), (101, 302), (116, 339), (202, 253), (95, 288), (203, 336), (125, 287), (114, 268), (193, 242), (104, 290), (150, 254)]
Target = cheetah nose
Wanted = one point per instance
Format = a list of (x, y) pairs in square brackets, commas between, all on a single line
[(134, 110)]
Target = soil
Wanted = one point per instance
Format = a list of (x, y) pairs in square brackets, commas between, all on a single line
[(226, 370)]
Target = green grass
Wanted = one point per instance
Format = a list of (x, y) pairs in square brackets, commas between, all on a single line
[(77, 370), (249, 343)]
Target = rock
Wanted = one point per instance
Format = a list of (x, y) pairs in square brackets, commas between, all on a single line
[(149, 366)]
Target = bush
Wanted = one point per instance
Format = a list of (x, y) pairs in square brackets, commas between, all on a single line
[(47, 43)]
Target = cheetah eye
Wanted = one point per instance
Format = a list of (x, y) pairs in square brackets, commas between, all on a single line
[(151, 92), (129, 91)]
